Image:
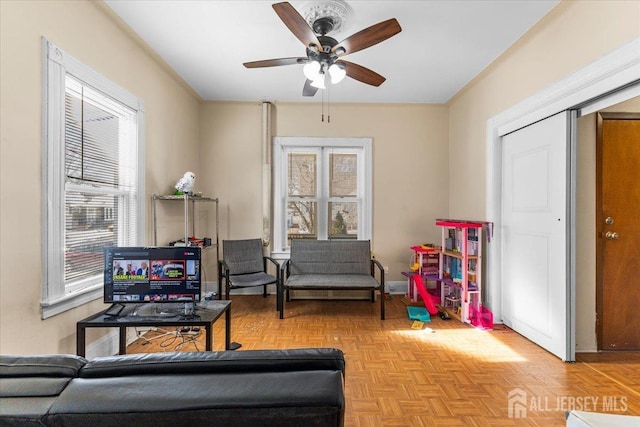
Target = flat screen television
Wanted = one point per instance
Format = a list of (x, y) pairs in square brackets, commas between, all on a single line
[(152, 274)]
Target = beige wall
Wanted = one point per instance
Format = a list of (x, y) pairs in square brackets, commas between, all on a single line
[(410, 165), (89, 34), (572, 35)]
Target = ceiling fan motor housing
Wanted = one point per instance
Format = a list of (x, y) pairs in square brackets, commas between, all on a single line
[(325, 56), (323, 25)]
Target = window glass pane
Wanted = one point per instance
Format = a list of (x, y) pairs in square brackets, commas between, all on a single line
[(343, 178), (100, 145), (343, 220), (73, 135), (90, 225), (302, 220), (302, 174), (92, 135)]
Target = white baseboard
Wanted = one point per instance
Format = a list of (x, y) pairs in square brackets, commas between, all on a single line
[(396, 287)]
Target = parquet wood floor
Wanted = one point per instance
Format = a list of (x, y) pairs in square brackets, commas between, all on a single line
[(453, 376)]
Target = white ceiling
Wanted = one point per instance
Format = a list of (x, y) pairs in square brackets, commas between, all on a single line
[(442, 46)]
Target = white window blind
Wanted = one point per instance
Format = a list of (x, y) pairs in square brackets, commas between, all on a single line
[(93, 178), (100, 180)]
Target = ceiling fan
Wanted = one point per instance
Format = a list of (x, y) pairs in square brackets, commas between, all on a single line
[(324, 53)]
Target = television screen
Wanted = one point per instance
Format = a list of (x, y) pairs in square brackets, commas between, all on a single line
[(152, 274)]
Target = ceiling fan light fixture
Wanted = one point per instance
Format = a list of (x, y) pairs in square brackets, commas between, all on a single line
[(311, 70), (337, 73), (319, 81)]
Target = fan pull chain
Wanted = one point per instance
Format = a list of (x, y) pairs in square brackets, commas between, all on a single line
[(328, 105), (322, 105)]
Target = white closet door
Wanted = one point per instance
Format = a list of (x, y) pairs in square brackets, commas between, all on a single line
[(535, 233)]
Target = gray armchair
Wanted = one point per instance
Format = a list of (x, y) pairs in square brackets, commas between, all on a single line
[(244, 265)]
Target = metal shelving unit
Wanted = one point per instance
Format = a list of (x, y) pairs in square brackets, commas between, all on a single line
[(189, 216)]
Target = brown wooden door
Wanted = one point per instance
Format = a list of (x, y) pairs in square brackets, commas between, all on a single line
[(618, 228)]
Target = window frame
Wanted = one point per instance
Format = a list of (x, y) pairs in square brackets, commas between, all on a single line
[(56, 63), (282, 146)]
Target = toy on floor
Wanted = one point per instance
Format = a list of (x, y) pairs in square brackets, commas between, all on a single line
[(444, 315), (426, 296), (418, 313)]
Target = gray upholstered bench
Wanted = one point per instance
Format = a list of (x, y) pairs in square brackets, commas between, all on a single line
[(330, 265)]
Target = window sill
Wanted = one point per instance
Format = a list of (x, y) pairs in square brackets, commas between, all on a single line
[(71, 301)]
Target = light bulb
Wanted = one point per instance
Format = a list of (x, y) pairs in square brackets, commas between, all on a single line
[(337, 73), (311, 70), (319, 81)]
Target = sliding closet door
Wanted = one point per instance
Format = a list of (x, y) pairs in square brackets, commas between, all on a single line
[(536, 285)]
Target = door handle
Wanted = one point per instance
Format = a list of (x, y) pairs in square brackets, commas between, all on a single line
[(611, 235)]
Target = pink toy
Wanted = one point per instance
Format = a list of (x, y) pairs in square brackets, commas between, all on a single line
[(482, 318), (426, 296)]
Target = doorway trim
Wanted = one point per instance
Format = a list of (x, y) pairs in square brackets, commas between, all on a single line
[(619, 69)]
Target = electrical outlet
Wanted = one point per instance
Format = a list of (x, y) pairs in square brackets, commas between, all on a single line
[(386, 268)]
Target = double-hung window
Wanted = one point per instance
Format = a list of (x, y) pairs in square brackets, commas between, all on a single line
[(322, 189), (93, 185)]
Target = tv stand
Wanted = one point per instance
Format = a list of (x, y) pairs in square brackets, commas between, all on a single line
[(154, 309), (204, 315), (114, 310)]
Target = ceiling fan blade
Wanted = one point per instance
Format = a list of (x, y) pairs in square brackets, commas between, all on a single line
[(362, 74), (296, 24), (369, 36), (309, 90), (275, 62)]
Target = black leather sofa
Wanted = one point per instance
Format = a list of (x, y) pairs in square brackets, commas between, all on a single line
[(302, 387)]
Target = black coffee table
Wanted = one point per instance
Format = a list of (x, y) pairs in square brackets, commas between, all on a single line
[(205, 315)]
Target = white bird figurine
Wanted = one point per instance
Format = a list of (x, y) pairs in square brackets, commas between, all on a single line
[(186, 183)]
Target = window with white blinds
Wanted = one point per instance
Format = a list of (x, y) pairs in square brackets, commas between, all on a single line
[(100, 180), (93, 173)]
